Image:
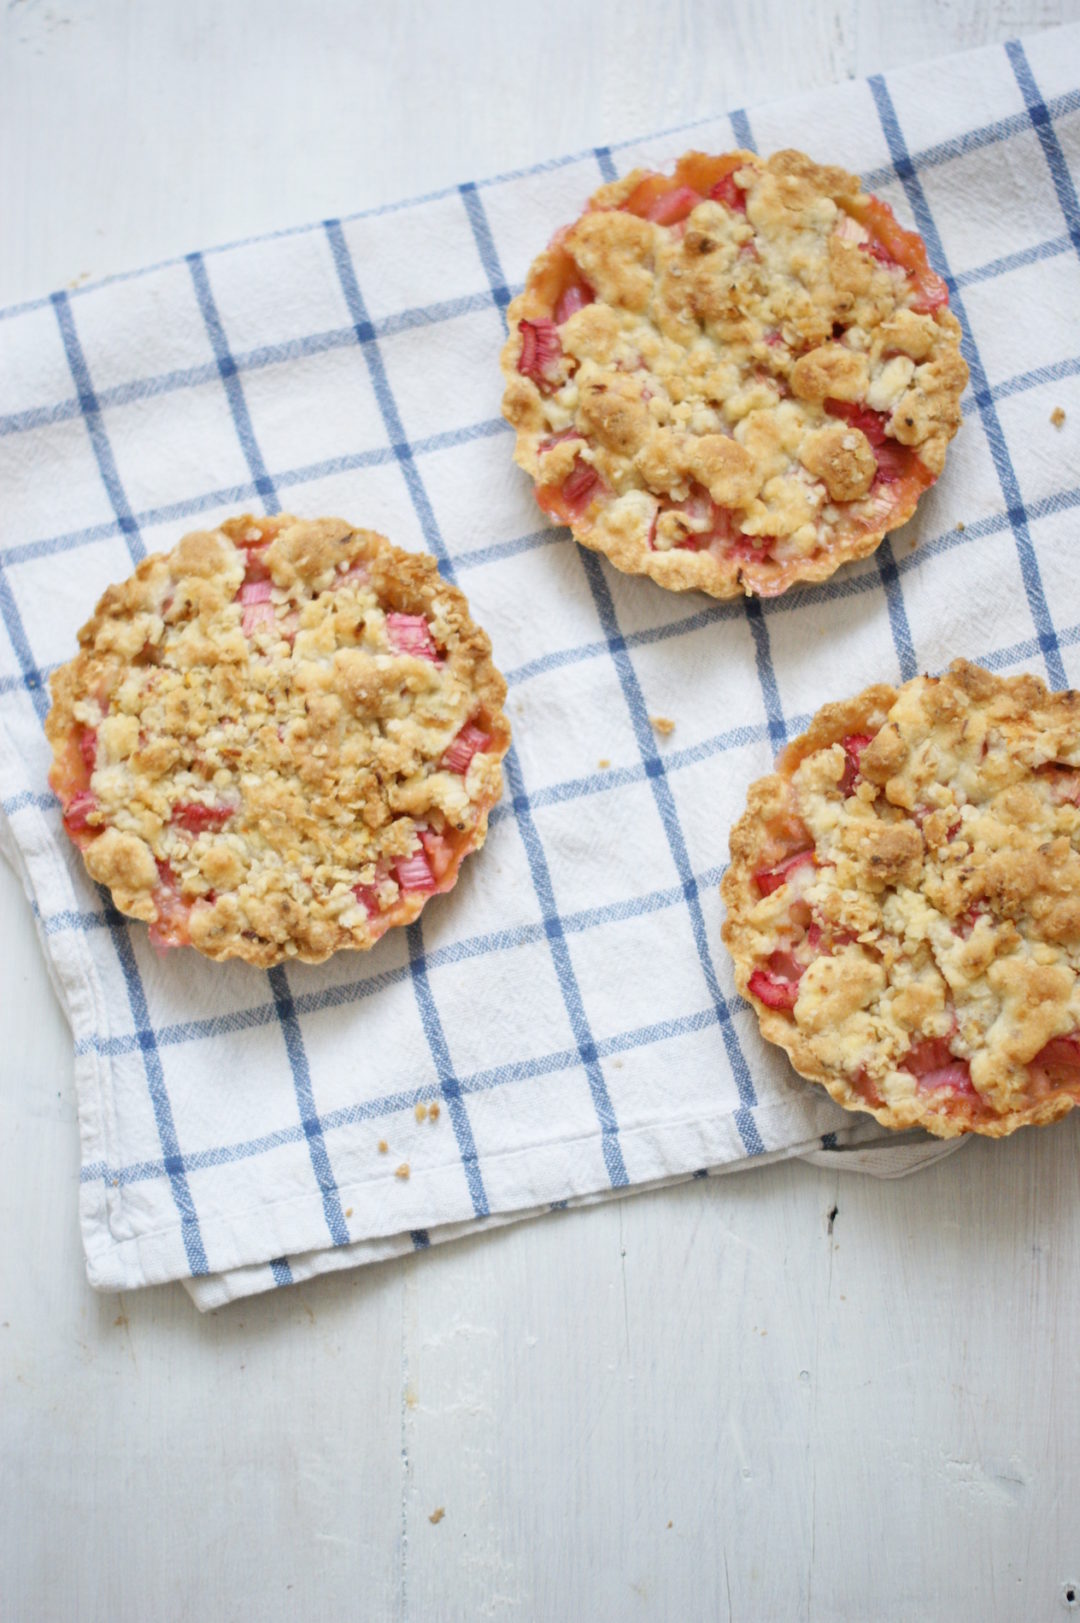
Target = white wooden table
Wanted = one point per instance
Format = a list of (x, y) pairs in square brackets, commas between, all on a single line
[(786, 1395)]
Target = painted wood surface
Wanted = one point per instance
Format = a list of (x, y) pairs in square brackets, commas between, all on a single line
[(787, 1395)]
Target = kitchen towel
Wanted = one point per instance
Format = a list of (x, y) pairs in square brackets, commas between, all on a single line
[(569, 1007)]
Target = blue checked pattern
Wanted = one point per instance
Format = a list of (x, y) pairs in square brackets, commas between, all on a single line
[(568, 1009)]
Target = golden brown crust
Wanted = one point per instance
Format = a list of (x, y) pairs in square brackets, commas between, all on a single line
[(254, 735), (924, 964), (694, 385)]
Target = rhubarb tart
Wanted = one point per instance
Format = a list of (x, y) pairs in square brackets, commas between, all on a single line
[(278, 739), (735, 377), (903, 902)]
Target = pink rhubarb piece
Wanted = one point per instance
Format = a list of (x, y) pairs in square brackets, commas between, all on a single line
[(573, 298), (773, 990), (725, 191), (868, 422), (954, 1078), (259, 613), (853, 745), (411, 634), (197, 818), (170, 928), (469, 742), (438, 850), (78, 809), (719, 532), (934, 1066), (557, 439), (368, 895), (671, 207), (580, 487), (413, 873), (770, 879), (541, 353)]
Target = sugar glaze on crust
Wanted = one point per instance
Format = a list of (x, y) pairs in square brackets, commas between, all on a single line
[(736, 377), (278, 739), (903, 902)]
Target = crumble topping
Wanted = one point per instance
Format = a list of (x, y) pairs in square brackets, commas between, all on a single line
[(903, 902), (735, 377), (278, 739)]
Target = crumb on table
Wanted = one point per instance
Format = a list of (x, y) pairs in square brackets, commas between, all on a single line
[(960, 525), (402, 1171), (348, 1211), (436, 1516), (662, 725), (603, 763), (433, 1111), (1057, 416), (421, 1112), (383, 1146)]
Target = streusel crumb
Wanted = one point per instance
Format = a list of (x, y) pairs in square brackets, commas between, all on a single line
[(278, 739), (903, 902), (736, 377)]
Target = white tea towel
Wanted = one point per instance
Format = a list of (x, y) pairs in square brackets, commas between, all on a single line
[(568, 1006)]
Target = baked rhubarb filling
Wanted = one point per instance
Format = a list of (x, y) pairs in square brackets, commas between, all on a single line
[(734, 377), (903, 902), (278, 740)]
